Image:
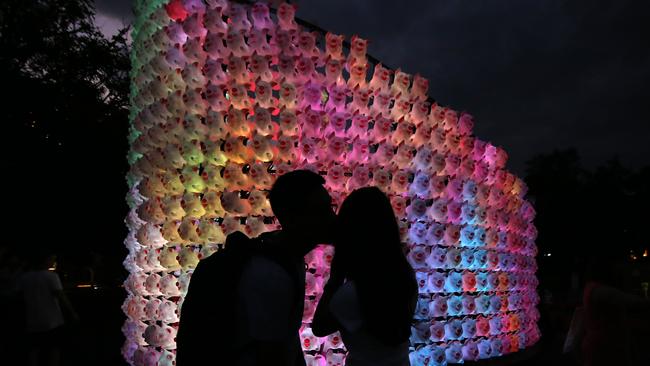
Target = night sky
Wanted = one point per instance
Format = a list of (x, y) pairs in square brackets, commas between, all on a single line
[(536, 75)]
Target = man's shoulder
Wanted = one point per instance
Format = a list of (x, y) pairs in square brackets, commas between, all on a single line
[(237, 246), (37, 275)]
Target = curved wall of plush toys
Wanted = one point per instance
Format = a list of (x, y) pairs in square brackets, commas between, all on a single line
[(225, 97)]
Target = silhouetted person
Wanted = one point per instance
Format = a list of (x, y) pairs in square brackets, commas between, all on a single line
[(43, 296), (614, 319), (372, 292), (11, 308), (244, 304)]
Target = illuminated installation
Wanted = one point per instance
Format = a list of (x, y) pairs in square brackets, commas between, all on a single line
[(226, 97)]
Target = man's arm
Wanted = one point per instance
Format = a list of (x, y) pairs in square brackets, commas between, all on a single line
[(65, 303), (57, 291)]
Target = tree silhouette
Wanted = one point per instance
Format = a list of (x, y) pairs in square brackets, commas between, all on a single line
[(584, 214), (65, 112)]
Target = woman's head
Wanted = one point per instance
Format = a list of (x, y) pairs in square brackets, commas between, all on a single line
[(367, 230)]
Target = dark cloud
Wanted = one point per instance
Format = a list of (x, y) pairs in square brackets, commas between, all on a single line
[(537, 75)]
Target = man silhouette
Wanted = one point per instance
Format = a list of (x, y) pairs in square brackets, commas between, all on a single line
[(244, 304)]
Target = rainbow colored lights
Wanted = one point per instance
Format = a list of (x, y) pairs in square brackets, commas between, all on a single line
[(226, 97)]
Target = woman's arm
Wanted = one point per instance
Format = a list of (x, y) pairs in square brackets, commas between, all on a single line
[(324, 322)]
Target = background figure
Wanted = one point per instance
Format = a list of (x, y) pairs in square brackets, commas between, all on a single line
[(43, 296), (616, 322), (371, 294), (11, 308)]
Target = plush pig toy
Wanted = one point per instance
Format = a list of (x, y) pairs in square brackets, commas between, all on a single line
[(454, 305), (438, 306), (422, 308), (453, 330), (152, 285), (437, 282), (418, 256), (334, 46), (169, 285), (453, 354), (308, 340), (437, 330), (470, 351), (437, 257), (420, 332), (335, 358), (315, 360)]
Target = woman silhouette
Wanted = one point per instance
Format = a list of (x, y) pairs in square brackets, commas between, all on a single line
[(371, 294)]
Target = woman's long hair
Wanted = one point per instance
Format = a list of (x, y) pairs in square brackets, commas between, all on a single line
[(371, 254)]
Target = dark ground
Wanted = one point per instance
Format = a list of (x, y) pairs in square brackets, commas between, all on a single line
[(97, 339)]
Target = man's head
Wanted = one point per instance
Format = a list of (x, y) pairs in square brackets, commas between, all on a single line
[(303, 206), (42, 259)]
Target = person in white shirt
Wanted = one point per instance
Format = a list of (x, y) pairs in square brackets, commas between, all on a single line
[(43, 296), (372, 292)]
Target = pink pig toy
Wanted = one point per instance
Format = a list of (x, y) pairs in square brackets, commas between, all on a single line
[(357, 76), (401, 83), (470, 351), (286, 21), (360, 178), (380, 79), (238, 18), (335, 358), (358, 48), (261, 16), (418, 256), (454, 353), (334, 46), (381, 178), (420, 88), (381, 104)]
